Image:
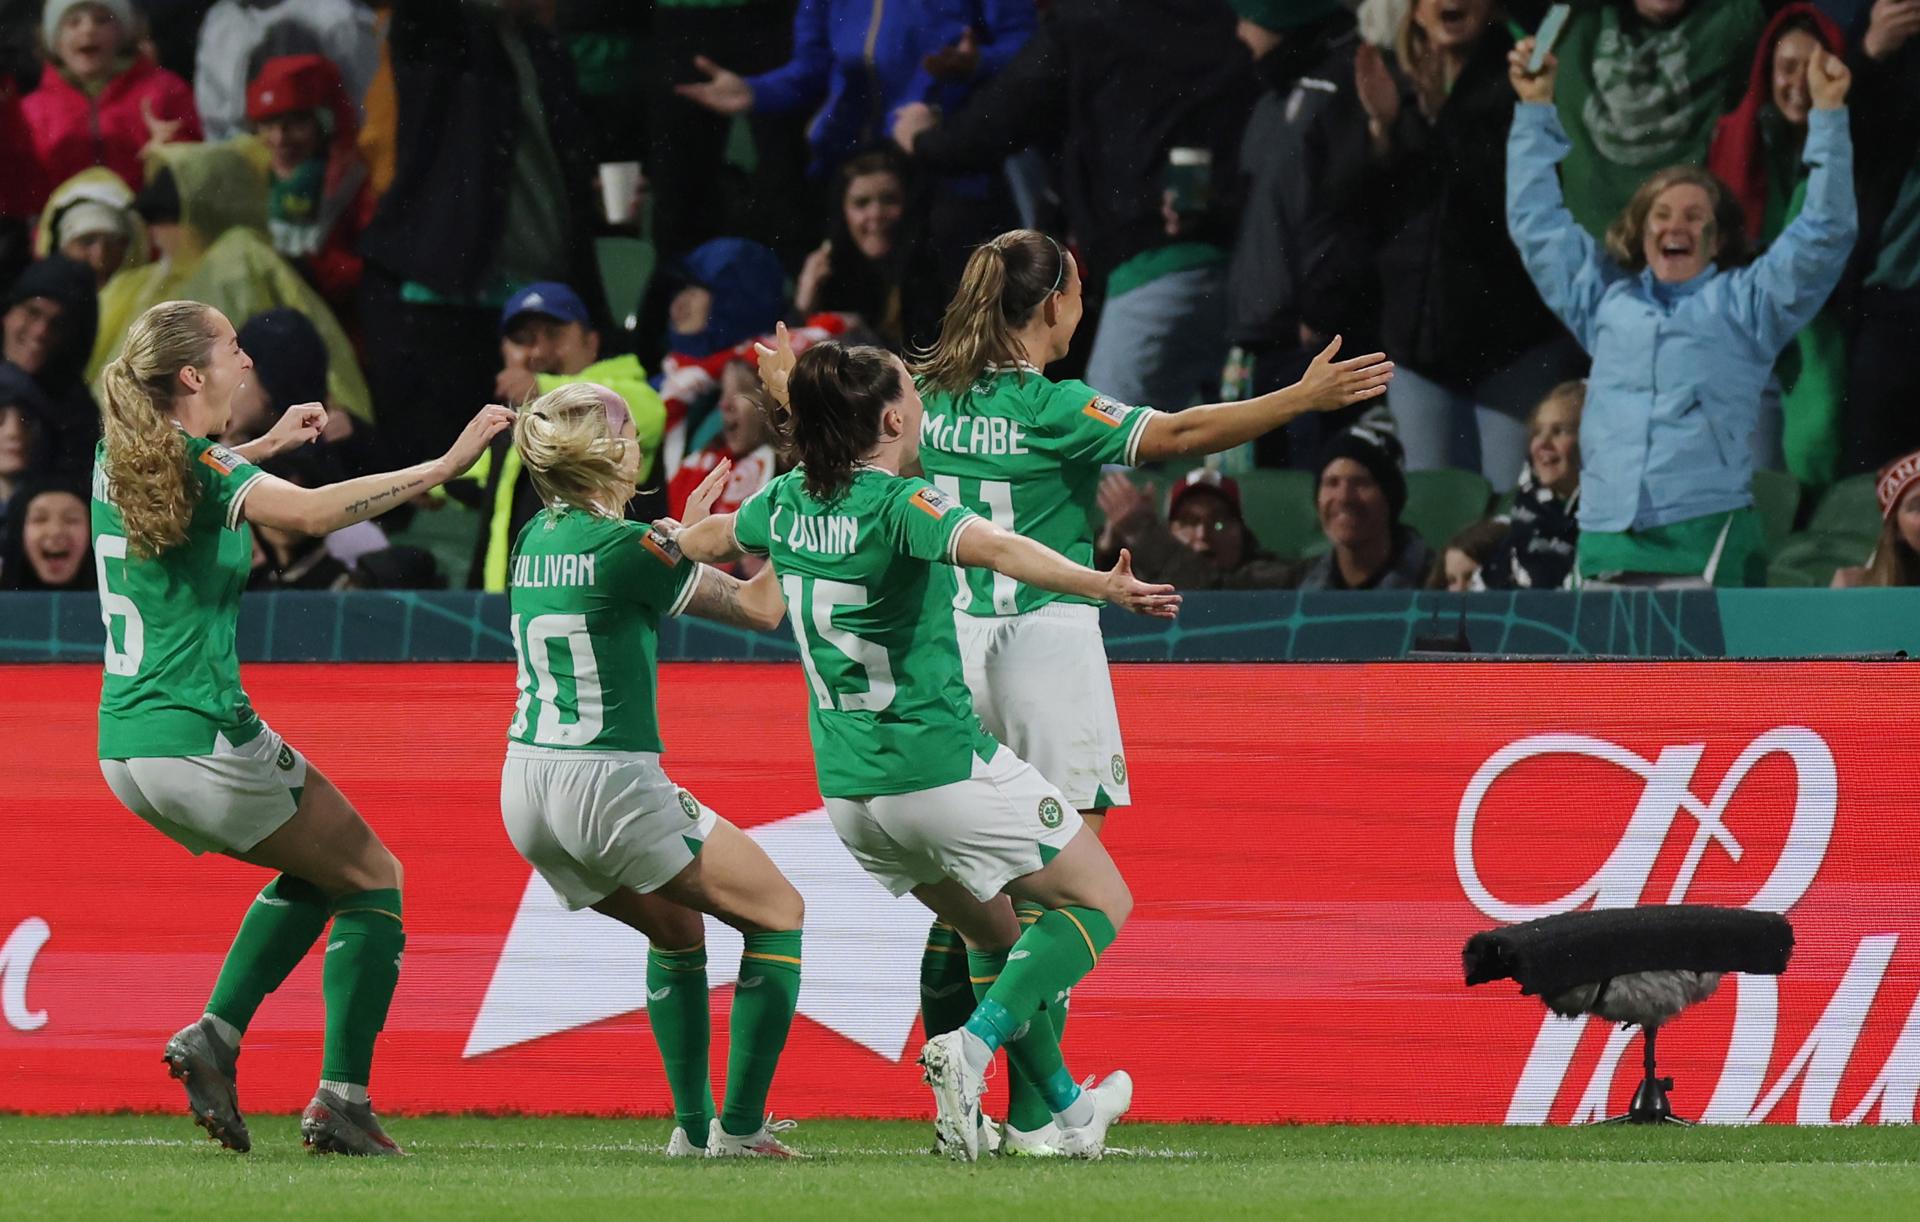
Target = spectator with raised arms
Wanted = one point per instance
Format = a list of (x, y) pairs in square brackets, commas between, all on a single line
[(1683, 335)]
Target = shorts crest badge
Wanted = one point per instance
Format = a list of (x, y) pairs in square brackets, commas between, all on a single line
[(1119, 770), (1051, 813), (286, 758), (687, 804)]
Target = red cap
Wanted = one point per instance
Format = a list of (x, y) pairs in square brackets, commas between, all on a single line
[(1210, 480), (1895, 478), (291, 83)]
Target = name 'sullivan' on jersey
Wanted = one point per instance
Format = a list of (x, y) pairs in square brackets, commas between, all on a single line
[(540, 572), (991, 435)]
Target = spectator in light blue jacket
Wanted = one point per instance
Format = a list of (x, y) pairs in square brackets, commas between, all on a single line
[(1683, 337), (855, 62)]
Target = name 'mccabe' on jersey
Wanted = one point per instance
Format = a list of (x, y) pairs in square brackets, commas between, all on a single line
[(586, 592), (1026, 453), (872, 611)]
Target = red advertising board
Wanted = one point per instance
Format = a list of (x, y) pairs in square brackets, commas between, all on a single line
[(1311, 846)]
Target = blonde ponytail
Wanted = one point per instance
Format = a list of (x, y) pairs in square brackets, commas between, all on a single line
[(1004, 282), (569, 449), (146, 455)]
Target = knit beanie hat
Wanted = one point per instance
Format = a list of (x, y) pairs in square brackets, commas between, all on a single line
[(1894, 480), (56, 12), (289, 357), (1380, 452), (1282, 15)]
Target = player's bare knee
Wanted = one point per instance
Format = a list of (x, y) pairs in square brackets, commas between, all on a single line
[(787, 910)]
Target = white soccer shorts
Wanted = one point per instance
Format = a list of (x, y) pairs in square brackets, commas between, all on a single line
[(226, 802), (593, 822), (1004, 821), (1040, 685)]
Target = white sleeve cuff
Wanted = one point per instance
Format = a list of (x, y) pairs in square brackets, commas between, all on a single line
[(953, 540), (239, 498), (687, 590), (1142, 419)]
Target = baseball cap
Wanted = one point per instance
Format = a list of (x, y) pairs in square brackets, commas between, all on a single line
[(1207, 479), (549, 298)]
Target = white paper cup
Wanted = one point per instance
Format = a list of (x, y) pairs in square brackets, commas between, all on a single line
[(619, 182)]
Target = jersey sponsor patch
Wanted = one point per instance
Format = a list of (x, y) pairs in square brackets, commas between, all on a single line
[(221, 459), (1109, 412), (934, 502), (661, 548)]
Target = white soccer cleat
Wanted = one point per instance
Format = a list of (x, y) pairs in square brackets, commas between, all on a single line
[(681, 1146), (957, 1088), (763, 1144), (990, 1140), (1043, 1142), (1111, 1099)]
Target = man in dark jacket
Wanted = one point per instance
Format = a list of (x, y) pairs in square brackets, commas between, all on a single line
[(1122, 84), (491, 192), (47, 330), (1302, 269)]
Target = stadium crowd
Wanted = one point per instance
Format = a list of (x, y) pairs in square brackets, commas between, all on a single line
[(1654, 307)]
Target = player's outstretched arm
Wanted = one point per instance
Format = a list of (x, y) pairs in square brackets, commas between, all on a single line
[(982, 545), (1326, 386), (726, 599), (708, 541), (318, 511)]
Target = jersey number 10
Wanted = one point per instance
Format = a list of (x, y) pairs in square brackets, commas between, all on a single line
[(533, 650)]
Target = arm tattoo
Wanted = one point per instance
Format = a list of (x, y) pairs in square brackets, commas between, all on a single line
[(361, 508), (718, 599)]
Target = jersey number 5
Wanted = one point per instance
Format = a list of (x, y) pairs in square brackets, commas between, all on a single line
[(864, 656), (533, 650), (124, 658)]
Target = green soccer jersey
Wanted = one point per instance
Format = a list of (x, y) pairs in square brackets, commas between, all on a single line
[(172, 683), (586, 594), (874, 619), (1026, 453)]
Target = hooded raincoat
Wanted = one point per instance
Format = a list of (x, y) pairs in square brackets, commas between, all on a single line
[(223, 257)]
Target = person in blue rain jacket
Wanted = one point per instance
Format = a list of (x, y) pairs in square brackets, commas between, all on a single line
[(1683, 333)]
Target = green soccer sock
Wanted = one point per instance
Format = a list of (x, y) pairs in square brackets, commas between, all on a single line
[(762, 1014), (281, 926), (677, 1011), (945, 999), (1052, 956), (1027, 1107), (1033, 1054), (362, 970)]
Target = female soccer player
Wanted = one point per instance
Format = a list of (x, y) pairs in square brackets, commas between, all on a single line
[(583, 794), (1027, 452), (924, 798), (181, 746)]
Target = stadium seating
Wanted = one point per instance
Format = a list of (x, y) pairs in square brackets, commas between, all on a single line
[(626, 265), (448, 534), (1810, 558), (1278, 507), (1776, 495), (1849, 507), (1440, 503)]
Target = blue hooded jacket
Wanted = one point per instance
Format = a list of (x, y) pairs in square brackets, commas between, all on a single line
[(749, 290), (1678, 369), (855, 62)]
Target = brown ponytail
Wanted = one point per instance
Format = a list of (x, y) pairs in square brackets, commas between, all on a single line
[(146, 455), (837, 393), (1005, 281)]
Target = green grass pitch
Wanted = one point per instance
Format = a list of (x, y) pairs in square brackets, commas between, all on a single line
[(576, 1170)]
